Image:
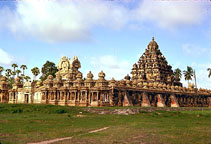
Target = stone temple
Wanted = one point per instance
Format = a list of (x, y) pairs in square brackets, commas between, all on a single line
[(152, 84)]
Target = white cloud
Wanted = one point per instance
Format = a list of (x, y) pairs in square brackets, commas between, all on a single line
[(112, 67), (194, 50), (5, 58), (65, 20), (62, 20), (171, 14)]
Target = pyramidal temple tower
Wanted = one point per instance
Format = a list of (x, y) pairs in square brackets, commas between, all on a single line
[(153, 67)]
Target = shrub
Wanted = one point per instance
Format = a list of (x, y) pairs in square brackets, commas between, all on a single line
[(18, 110), (61, 111)]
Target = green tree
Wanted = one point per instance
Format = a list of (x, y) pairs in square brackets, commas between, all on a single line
[(18, 72), (209, 70), (49, 68), (8, 73), (27, 78), (35, 71), (177, 74), (1, 70), (188, 73)]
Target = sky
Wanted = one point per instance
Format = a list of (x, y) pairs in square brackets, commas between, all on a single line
[(108, 35)]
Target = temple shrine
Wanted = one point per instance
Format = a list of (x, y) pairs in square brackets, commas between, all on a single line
[(151, 83)]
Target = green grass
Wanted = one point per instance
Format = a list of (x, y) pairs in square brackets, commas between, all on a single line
[(33, 123)]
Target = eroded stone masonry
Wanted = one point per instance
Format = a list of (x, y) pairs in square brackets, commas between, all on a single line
[(152, 84)]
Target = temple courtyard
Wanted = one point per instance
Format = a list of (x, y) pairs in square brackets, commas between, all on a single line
[(30, 123)]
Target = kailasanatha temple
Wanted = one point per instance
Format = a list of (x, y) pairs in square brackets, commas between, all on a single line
[(151, 84)]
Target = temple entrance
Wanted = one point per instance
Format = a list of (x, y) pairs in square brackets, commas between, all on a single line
[(26, 98)]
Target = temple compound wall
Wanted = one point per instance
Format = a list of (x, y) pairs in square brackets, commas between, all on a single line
[(152, 84)]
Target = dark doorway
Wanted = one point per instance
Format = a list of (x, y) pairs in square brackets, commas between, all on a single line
[(26, 98)]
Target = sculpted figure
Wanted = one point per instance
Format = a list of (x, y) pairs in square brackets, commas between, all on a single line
[(63, 64)]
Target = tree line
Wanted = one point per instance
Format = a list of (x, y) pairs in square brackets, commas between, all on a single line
[(49, 68), (189, 74)]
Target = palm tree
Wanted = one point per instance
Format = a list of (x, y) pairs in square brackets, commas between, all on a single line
[(1, 70), (18, 72), (35, 71), (8, 73), (14, 72), (188, 73), (209, 70), (178, 74), (23, 67), (27, 78)]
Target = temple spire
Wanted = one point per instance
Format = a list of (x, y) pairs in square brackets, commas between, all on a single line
[(152, 66)]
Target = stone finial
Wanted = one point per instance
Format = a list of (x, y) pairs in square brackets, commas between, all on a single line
[(122, 82), (127, 77), (90, 75), (17, 80), (101, 75), (128, 82), (160, 85), (112, 82), (50, 77), (3, 79), (39, 83), (69, 76), (58, 77), (153, 43), (155, 85), (150, 85), (79, 75)]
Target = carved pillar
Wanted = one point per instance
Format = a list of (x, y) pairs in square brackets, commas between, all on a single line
[(209, 100), (86, 97), (111, 96), (46, 96), (174, 102), (88, 101), (97, 95), (55, 97), (68, 95), (101, 98), (145, 100), (62, 95), (120, 98), (139, 98), (65, 97), (52, 96), (75, 95), (43, 95), (93, 96), (160, 102), (78, 96)]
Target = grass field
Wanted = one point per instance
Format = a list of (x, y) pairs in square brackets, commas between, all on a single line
[(34, 123)]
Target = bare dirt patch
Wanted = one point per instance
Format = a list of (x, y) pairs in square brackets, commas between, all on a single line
[(67, 138)]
